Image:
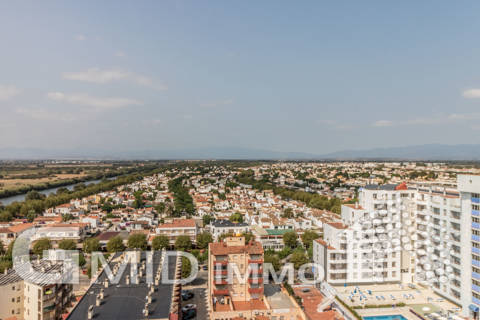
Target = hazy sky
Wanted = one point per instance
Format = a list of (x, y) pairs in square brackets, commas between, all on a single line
[(312, 76)]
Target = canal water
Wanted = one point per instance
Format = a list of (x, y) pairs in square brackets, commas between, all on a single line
[(21, 197)]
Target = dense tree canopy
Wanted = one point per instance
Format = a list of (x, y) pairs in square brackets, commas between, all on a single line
[(203, 239), (183, 243), (182, 199), (160, 242), (290, 239), (41, 245), (90, 245), (115, 244), (67, 244), (137, 241)]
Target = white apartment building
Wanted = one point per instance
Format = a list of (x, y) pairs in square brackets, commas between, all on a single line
[(442, 249), (438, 245), (469, 188), (367, 247)]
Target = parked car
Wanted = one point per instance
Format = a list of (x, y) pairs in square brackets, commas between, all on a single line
[(205, 267), (187, 295), (189, 306), (189, 314)]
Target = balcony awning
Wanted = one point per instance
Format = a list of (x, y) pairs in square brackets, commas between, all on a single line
[(473, 307)]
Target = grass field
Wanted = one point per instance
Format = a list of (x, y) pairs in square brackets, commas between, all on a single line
[(16, 176)]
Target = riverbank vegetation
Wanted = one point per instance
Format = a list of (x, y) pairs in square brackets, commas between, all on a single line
[(36, 203), (21, 177)]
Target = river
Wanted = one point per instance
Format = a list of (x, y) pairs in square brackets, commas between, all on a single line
[(21, 197)]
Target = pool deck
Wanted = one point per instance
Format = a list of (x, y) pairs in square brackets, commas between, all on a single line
[(404, 311), (389, 294)]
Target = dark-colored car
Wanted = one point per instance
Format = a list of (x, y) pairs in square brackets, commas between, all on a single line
[(205, 267), (187, 295), (189, 314)]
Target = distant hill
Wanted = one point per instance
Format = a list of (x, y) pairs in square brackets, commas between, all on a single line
[(419, 152), (188, 154)]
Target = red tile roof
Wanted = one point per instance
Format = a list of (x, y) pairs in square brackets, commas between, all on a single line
[(178, 223), (221, 248)]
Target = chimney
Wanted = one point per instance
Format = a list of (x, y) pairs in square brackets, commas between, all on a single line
[(90, 313)]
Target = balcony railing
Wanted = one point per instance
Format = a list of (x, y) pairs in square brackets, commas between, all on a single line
[(255, 280), (255, 290), (220, 281), (256, 271), (257, 261), (223, 292)]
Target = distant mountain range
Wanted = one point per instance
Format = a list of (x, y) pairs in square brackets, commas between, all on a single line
[(418, 152)]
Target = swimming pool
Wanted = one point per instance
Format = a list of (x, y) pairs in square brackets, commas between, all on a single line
[(392, 317)]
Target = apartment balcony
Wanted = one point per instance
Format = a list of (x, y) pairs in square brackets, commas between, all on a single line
[(255, 280), (475, 263), (476, 275), (255, 261), (48, 297), (49, 307), (476, 213), (220, 262), (220, 272), (256, 271), (220, 282), (476, 301), (475, 238), (475, 200), (223, 292), (255, 290), (476, 251)]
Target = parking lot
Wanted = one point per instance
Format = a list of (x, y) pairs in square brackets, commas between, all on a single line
[(199, 289)]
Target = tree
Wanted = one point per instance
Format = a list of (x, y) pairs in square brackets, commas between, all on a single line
[(290, 239), (90, 245), (115, 244), (31, 215), (288, 213), (308, 237), (298, 258), (236, 217), (183, 243), (67, 244), (272, 259), (138, 241), (107, 207), (41, 245), (203, 239), (248, 236), (2, 248), (160, 208), (186, 267), (67, 217), (222, 236), (81, 259), (160, 242), (34, 195), (207, 219)]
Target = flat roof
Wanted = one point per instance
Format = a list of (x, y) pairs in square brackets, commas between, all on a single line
[(124, 301), (276, 298)]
